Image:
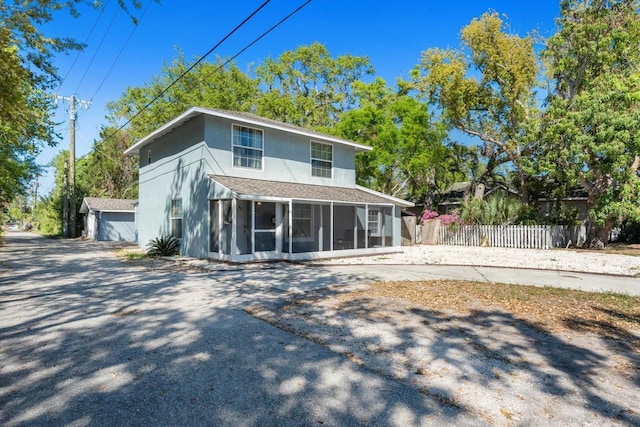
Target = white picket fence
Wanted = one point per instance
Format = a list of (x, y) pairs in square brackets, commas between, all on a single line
[(510, 236)]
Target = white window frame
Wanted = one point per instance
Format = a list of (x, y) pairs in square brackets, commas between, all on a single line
[(173, 216), (317, 159), (234, 145), (311, 236), (376, 221)]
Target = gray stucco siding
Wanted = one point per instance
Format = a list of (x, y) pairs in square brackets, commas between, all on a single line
[(180, 176), (187, 135), (286, 156)]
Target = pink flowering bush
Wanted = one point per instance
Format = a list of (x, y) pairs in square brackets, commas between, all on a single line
[(449, 219), (426, 215), (445, 220)]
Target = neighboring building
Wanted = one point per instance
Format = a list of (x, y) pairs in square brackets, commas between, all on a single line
[(109, 219), (239, 187)]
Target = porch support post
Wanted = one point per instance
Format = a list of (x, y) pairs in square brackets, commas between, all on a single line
[(366, 226), (355, 227), (290, 213), (331, 225), (234, 246), (220, 224), (383, 228)]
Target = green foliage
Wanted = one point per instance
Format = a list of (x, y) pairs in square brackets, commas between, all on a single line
[(308, 87), (591, 129), (486, 90), (207, 85), (163, 246), (409, 158), (27, 73), (47, 213), (497, 209)]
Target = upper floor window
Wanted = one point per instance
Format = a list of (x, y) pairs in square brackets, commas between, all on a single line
[(321, 159), (247, 147)]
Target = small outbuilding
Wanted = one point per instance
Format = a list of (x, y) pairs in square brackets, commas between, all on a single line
[(109, 219)]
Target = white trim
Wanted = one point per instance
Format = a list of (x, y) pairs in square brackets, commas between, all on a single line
[(195, 111), (394, 200)]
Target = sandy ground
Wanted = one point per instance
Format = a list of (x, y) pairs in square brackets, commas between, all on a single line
[(501, 369), (551, 259)]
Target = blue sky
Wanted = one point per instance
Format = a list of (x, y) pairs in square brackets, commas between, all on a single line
[(391, 33)]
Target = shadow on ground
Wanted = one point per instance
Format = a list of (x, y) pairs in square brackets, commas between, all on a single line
[(89, 340), (501, 369)]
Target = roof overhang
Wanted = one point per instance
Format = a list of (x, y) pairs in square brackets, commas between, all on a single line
[(248, 119), (252, 189)]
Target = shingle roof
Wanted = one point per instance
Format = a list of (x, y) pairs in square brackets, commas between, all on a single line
[(290, 190), (107, 205)]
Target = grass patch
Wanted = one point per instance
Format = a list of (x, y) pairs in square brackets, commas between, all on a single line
[(129, 254), (551, 309)]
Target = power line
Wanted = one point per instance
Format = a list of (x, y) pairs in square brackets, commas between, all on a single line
[(192, 67), (97, 49), (85, 42), (261, 36), (124, 46)]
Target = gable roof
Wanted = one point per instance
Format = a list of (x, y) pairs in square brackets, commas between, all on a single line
[(308, 192), (247, 118), (107, 205)]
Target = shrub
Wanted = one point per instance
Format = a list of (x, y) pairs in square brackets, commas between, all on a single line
[(163, 246), (427, 214)]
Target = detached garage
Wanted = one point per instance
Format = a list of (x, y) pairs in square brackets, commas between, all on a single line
[(109, 219)]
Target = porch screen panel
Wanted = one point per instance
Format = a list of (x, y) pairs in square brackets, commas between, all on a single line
[(214, 229), (304, 232), (326, 227), (243, 227), (387, 222), (344, 219), (227, 218), (361, 218)]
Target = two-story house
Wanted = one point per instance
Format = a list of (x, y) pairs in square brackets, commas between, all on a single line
[(238, 187)]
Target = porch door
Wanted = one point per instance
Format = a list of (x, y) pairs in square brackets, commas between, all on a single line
[(267, 217)]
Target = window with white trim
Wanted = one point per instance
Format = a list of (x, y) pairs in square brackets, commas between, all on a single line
[(176, 218), (374, 222), (247, 147), (321, 159), (302, 225)]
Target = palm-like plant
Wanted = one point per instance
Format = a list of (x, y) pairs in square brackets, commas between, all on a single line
[(163, 246), (499, 209)]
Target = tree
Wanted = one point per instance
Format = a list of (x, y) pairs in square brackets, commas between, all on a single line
[(118, 172), (27, 74), (498, 209), (212, 85), (488, 93), (309, 88), (409, 157), (591, 130)]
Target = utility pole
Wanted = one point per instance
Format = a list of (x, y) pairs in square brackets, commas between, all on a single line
[(71, 227), (65, 200)]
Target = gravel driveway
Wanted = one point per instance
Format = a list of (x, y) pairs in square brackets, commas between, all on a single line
[(89, 340)]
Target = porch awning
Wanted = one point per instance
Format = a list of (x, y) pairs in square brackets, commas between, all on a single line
[(308, 192)]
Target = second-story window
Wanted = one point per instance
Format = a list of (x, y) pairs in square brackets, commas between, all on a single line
[(247, 147), (321, 159)]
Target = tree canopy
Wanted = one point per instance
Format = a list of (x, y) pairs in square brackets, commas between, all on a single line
[(485, 89), (591, 129)]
